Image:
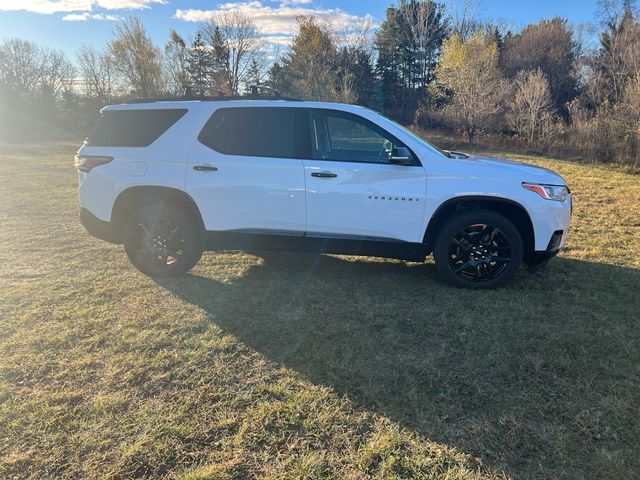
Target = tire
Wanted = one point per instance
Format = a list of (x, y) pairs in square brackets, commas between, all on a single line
[(478, 249), (162, 240)]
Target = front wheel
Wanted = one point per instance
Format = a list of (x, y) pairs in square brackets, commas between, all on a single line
[(478, 249), (162, 241)]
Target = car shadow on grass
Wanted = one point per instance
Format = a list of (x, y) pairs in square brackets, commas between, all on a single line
[(536, 378)]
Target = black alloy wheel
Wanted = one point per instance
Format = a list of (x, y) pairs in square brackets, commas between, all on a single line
[(159, 242), (162, 242), (479, 253), (478, 249)]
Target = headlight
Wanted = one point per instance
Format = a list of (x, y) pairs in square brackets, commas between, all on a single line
[(558, 193)]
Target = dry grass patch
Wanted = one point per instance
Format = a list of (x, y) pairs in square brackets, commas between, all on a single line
[(302, 366)]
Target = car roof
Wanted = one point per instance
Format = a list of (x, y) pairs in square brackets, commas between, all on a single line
[(211, 104)]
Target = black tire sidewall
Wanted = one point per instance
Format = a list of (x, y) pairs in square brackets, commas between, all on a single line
[(462, 221), (183, 220)]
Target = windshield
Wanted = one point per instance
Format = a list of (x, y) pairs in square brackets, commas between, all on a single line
[(424, 143)]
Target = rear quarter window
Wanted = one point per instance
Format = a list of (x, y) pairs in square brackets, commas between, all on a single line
[(254, 132), (133, 128)]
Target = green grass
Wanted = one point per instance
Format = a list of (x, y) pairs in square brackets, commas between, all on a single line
[(294, 366)]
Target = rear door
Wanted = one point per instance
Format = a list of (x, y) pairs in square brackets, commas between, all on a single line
[(245, 171), (353, 189)]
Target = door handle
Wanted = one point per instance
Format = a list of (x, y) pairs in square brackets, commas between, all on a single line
[(205, 168), (324, 174)]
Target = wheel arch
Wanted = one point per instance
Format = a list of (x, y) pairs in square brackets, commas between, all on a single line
[(134, 197), (513, 210)]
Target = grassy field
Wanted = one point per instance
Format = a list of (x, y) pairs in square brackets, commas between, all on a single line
[(300, 366)]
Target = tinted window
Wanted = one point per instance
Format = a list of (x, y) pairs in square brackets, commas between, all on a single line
[(252, 132), (344, 137), (132, 128)]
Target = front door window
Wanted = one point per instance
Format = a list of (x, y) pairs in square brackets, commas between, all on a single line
[(342, 137)]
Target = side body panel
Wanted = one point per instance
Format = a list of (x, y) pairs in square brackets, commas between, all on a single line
[(247, 193), (365, 200), (163, 163)]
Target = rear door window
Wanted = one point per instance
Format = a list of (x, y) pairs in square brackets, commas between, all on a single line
[(133, 128), (256, 132)]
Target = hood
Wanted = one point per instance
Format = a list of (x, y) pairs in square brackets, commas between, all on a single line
[(500, 169)]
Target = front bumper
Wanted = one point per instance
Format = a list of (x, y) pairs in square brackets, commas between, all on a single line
[(99, 228), (558, 217), (536, 260), (548, 217)]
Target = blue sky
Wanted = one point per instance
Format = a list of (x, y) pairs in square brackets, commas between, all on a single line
[(65, 24)]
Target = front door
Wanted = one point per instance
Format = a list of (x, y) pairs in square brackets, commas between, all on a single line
[(245, 174), (353, 188)]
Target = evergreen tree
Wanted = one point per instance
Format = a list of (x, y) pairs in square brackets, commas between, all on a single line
[(356, 78), (309, 69), (255, 75), (408, 43), (200, 63), (221, 72), (278, 79)]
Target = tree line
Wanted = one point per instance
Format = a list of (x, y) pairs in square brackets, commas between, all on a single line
[(428, 65)]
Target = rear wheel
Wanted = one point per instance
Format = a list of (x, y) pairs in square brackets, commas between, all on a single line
[(478, 249), (162, 241)]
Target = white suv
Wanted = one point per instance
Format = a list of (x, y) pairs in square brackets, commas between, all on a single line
[(169, 179)]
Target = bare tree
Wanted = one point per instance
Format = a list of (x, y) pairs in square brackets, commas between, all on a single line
[(57, 75), (345, 87), (136, 58), (98, 73), (465, 16), (242, 42), (27, 68), (468, 74), (549, 45), (619, 56), (532, 100), (175, 58), (352, 42), (22, 65), (613, 11), (355, 37)]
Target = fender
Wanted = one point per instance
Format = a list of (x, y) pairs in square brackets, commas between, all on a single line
[(137, 195), (511, 209)]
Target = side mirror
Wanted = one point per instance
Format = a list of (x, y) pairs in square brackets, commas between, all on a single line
[(400, 156)]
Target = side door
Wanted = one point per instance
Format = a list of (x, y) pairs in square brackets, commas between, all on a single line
[(245, 174), (354, 188)]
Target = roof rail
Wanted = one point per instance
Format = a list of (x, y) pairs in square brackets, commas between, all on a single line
[(255, 93), (256, 89), (188, 90)]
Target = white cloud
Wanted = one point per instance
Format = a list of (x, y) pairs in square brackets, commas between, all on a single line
[(80, 17), (280, 20), (278, 39), (46, 6), (126, 4), (57, 6), (284, 3)]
